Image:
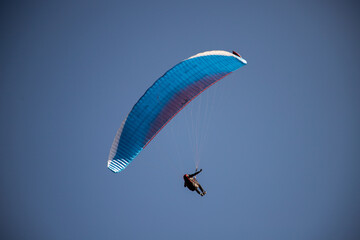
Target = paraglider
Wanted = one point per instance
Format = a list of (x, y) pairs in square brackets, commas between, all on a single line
[(165, 98), (192, 184)]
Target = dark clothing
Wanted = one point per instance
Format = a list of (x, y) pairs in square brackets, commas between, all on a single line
[(192, 184)]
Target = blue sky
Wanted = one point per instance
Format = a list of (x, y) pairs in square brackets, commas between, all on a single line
[(282, 152)]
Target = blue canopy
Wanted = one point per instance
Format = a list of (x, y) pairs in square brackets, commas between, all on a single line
[(165, 98)]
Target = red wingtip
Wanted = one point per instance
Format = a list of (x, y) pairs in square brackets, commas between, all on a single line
[(235, 53)]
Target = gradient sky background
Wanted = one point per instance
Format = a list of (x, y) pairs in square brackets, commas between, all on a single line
[(282, 155)]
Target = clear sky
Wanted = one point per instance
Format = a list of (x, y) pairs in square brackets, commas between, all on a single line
[(281, 159)]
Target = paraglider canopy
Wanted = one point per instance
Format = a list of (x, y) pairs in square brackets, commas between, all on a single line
[(165, 98)]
